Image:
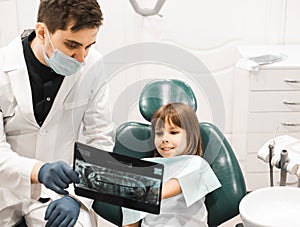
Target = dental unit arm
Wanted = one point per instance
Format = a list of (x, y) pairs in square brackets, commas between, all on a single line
[(285, 156)]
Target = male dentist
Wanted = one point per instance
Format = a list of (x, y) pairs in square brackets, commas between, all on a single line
[(52, 85)]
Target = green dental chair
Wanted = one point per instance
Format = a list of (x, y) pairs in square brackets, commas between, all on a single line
[(135, 139)]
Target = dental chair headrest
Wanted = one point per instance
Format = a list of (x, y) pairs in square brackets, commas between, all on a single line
[(160, 92)]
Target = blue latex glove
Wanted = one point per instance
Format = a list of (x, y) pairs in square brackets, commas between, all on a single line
[(62, 212), (57, 176)]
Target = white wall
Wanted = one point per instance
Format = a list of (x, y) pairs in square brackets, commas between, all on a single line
[(210, 30), (15, 15)]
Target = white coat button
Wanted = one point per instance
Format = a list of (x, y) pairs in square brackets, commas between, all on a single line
[(43, 132), (48, 99)]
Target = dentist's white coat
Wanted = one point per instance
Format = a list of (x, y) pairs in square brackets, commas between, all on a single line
[(82, 98)]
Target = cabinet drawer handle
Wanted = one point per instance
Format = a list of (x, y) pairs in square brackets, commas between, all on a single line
[(292, 81), (291, 103), (289, 124)]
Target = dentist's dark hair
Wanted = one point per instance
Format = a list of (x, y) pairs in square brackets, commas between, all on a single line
[(80, 14), (182, 116)]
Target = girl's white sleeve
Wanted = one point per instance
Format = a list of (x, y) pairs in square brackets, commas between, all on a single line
[(132, 216), (194, 174), (198, 183)]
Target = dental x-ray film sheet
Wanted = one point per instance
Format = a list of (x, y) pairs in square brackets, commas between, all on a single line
[(118, 179)]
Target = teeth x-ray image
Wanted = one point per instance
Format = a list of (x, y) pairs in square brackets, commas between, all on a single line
[(113, 182), (118, 179)]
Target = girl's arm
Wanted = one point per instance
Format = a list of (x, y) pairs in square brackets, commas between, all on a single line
[(132, 225), (170, 188)]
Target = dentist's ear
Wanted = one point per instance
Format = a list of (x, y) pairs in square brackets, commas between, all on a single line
[(40, 31)]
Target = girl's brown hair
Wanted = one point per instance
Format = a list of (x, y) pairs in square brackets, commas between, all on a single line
[(183, 116)]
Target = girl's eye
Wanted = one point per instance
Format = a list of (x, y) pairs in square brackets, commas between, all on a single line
[(158, 133), (174, 132)]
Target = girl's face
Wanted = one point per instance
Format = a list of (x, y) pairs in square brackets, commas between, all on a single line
[(170, 141)]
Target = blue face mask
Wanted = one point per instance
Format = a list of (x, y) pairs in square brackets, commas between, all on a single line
[(61, 63)]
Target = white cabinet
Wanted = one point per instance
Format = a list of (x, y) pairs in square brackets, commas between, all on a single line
[(264, 100)]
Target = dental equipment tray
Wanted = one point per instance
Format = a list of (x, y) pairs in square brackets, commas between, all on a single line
[(118, 179), (267, 58)]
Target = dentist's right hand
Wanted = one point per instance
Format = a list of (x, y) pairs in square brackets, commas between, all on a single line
[(57, 176)]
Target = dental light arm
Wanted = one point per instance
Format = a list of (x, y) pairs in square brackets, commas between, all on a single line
[(145, 11)]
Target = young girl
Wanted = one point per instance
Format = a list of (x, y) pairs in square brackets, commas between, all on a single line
[(187, 176)]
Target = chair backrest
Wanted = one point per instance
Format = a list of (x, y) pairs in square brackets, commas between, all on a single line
[(136, 140), (223, 203)]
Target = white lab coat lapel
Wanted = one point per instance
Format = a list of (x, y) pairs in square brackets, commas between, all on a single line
[(21, 87), (15, 67)]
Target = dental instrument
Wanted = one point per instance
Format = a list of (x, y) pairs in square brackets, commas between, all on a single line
[(285, 156), (271, 152), (283, 164)]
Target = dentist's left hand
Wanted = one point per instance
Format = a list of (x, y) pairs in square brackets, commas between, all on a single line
[(63, 212)]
